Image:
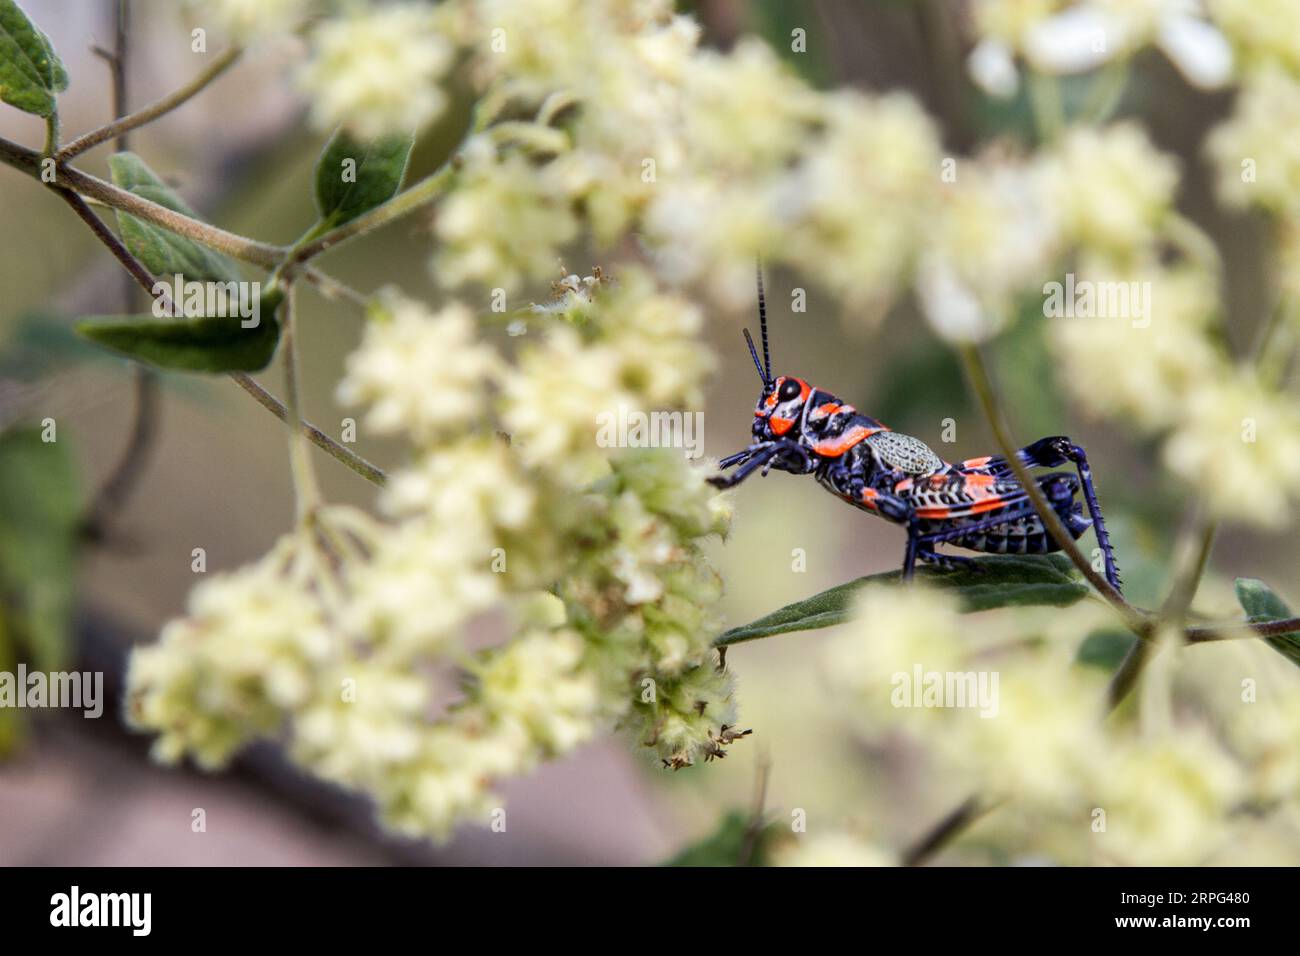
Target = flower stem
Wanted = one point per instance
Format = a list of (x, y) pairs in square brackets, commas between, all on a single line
[(365, 469), (404, 203), (71, 179), (977, 375), (306, 490)]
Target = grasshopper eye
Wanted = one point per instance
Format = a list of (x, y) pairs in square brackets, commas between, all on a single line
[(789, 389)]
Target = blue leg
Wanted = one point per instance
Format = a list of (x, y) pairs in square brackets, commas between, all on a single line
[(1050, 453)]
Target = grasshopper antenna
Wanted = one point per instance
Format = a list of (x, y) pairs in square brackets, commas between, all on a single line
[(762, 325)]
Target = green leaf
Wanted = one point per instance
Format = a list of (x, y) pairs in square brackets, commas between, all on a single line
[(1104, 649), (727, 845), (353, 177), (162, 251), (30, 71), (212, 344), (995, 581), (1261, 605), (40, 509)]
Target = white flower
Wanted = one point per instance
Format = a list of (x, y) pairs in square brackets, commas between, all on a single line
[(1080, 37), (1234, 435), (1111, 188), (950, 305), (538, 680), (503, 224), (250, 20), (1258, 161), (423, 374), (1263, 32), (992, 66), (857, 207), (377, 72), (1167, 800)]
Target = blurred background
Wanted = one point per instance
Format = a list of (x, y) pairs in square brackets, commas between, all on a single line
[(78, 791)]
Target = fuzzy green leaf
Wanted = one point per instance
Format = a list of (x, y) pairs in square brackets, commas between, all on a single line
[(1261, 605), (728, 844), (162, 251), (40, 507), (353, 177), (997, 581), (30, 71), (212, 344)]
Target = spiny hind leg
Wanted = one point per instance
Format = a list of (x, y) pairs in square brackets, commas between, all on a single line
[(1049, 453)]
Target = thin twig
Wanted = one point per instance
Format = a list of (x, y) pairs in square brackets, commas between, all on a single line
[(153, 111), (125, 475), (1130, 669), (123, 255), (1233, 632), (979, 380), (332, 288), (972, 809), (404, 203), (754, 828), (306, 493), (1173, 609), (268, 401), (72, 179), (365, 469)]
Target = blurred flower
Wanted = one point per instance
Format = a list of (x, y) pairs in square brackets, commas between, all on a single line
[(992, 237), (1235, 435), (1166, 800), (377, 71), (422, 373), (1257, 166), (831, 849), (1064, 38), (1263, 32), (228, 672), (1166, 353), (856, 209), (249, 20), (503, 224), (1110, 187)]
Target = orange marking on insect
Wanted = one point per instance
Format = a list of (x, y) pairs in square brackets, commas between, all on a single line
[(832, 447), (869, 496), (977, 462), (824, 410), (781, 425), (904, 485), (936, 511), (980, 486)]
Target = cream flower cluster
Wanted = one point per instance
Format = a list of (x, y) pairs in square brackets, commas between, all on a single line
[(1080, 789), (249, 20), (1145, 351), (1057, 37), (342, 641), (377, 70)]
